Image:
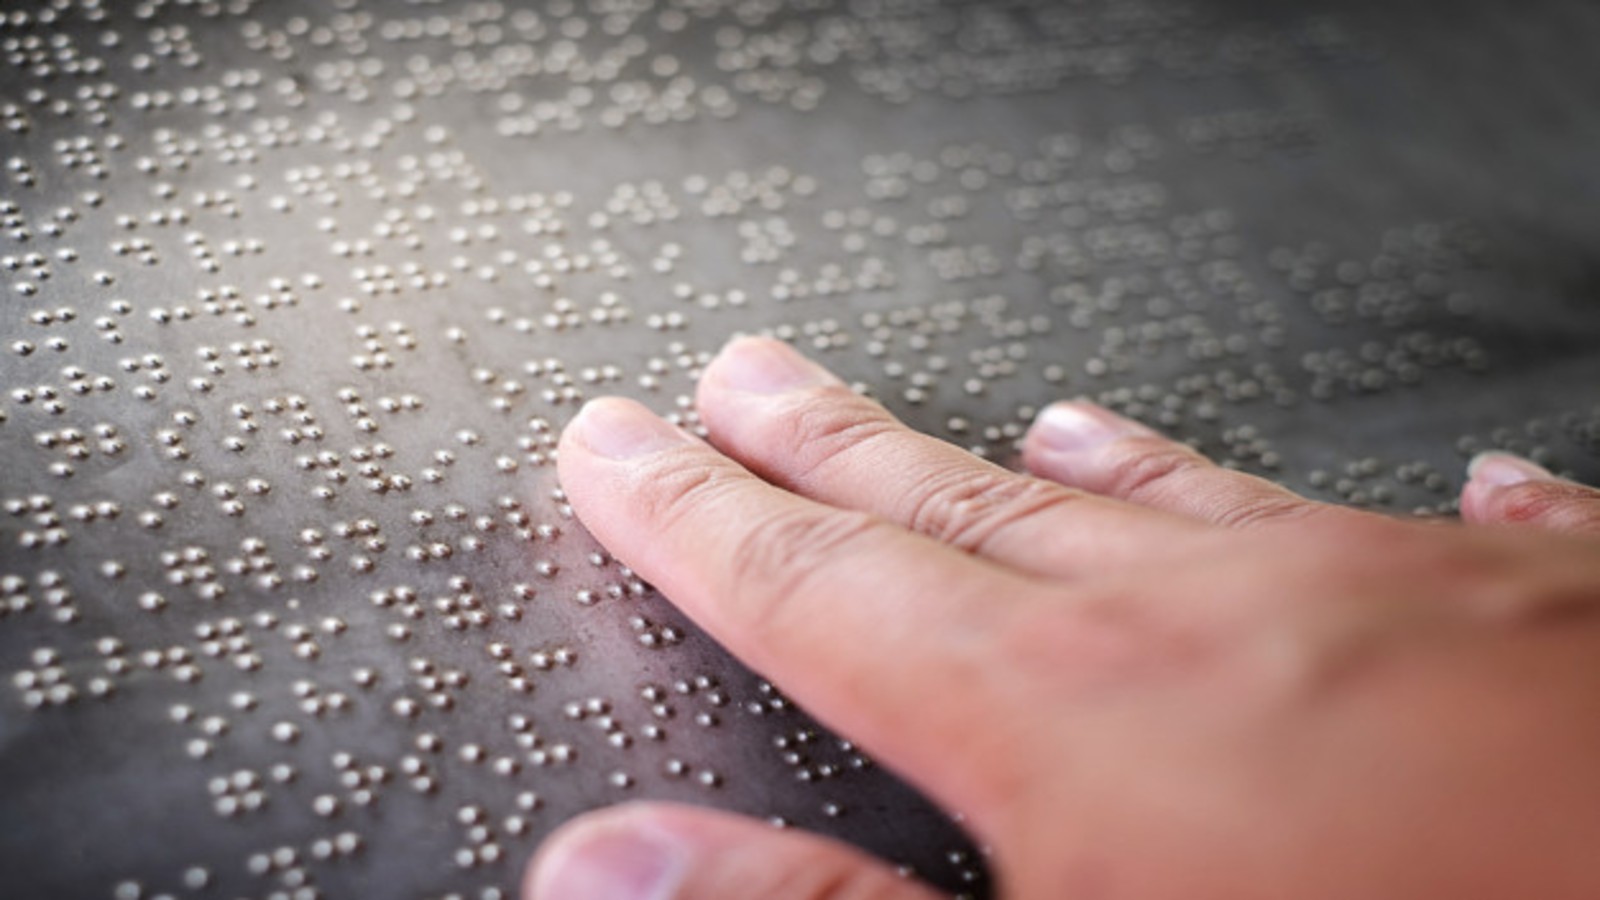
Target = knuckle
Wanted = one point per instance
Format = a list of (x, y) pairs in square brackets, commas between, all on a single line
[(969, 508), (821, 429), (1158, 470), (1151, 467), (777, 557), (1261, 509), (675, 486)]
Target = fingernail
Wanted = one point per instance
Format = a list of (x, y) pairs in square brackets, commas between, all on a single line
[(621, 429), (1080, 425), (767, 366), (613, 863), (1502, 469)]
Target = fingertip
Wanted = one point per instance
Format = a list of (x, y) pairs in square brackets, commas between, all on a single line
[(1489, 474), (618, 429), (1502, 489), (1072, 426), (762, 366), (1067, 441), (620, 852), (1499, 469), (667, 851)]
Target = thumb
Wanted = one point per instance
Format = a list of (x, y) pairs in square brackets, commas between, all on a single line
[(1509, 490), (660, 851)]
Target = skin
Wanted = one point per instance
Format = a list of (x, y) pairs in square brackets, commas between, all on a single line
[(1135, 673)]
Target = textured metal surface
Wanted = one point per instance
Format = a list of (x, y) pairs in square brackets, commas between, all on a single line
[(298, 296)]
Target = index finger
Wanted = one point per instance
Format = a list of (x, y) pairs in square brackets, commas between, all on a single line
[(878, 631)]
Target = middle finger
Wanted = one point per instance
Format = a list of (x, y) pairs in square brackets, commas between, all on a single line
[(796, 425)]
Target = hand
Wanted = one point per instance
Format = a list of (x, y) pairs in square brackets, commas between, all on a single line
[(1138, 675)]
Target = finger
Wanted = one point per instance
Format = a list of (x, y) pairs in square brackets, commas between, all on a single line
[(862, 621), (796, 425), (1508, 490), (670, 852), (1086, 446)]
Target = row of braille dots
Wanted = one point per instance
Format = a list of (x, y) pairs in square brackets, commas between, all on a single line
[(766, 191), (1397, 285), (869, 274), (191, 566), (1581, 427), (374, 476), (651, 635), (1198, 395), (598, 713), (779, 65), (227, 299), (90, 103), (345, 29), (375, 346), (557, 260), (1079, 203), (602, 86), (23, 174), (724, 198), (75, 445), (625, 585), (45, 682), (657, 696), (223, 640), (290, 869), (286, 93), (1038, 183), (459, 610), (194, 878), (21, 229), (515, 672), (969, 868), (483, 840), (14, 118), (959, 56), (38, 269), (1532, 439), (704, 688), (47, 53), (212, 727), (362, 785), (1376, 366), (537, 751), (239, 793), (797, 748), (15, 597), (1033, 184), (40, 509), (404, 597), (562, 389), (1368, 481), (1246, 133), (312, 699), (50, 398), (438, 685), (925, 329), (538, 217), (998, 439), (1179, 291)]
